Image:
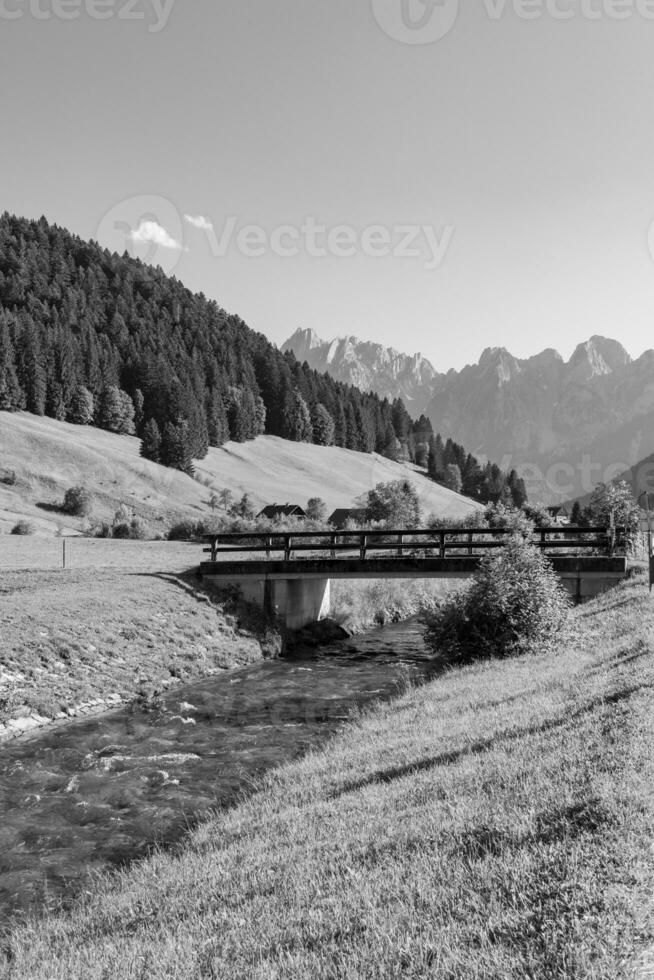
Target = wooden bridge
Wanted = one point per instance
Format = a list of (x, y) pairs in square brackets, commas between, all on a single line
[(289, 573)]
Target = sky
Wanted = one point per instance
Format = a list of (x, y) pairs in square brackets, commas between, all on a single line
[(431, 176)]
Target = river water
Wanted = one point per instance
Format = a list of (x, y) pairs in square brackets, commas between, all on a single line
[(96, 794)]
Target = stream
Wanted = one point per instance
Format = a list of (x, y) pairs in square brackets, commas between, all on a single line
[(95, 794)]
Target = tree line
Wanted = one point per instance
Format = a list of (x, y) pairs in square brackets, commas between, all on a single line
[(92, 337)]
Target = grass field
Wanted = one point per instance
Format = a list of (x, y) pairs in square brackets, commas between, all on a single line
[(84, 637), (48, 457), (495, 824)]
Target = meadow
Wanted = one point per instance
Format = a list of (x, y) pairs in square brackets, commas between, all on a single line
[(44, 458), (112, 628), (493, 824)]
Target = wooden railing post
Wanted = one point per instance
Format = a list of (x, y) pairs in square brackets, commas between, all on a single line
[(268, 546), (287, 547), (470, 538), (364, 546), (442, 544), (400, 541), (334, 543)]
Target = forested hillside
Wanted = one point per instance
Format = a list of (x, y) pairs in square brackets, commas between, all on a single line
[(91, 337)]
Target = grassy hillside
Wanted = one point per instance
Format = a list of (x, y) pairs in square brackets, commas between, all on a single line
[(49, 456), (495, 824), (73, 639)]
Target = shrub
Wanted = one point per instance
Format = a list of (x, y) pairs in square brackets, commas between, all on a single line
[(138, 530), (508, 519), (394, 504), (133, 528), (187, 530), (23, 527), (77, 501), (9, 478), (514, 603), (615, 501)]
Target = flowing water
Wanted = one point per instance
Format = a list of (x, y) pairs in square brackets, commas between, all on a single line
[(95, 794)]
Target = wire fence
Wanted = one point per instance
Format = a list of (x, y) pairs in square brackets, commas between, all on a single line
[(68, 553)]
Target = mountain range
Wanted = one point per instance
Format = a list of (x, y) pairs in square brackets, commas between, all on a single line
[(369, 367), (564, 425)]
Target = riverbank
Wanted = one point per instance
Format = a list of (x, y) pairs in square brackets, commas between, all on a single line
[(113, 628), (81, 641), (496, 822)]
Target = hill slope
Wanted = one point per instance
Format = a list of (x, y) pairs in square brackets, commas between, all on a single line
[(49, 456)]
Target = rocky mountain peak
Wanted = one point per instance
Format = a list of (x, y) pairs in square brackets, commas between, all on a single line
[(368, 366), (499, 361), (301, 341), (598, 356)]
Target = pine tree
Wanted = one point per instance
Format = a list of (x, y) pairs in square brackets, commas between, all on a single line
[(217, 424), (176, 447), (115, 411), (11, 396), (82, 406), (323, 426), (151, 441), (297, 419), (436, 461), (453, 479), (30, 367), (139, 403)]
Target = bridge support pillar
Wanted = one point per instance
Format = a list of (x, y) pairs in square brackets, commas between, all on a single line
[(297, 601), (584, 586)]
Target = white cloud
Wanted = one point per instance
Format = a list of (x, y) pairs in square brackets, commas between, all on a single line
[(151, 231), (199, 222)]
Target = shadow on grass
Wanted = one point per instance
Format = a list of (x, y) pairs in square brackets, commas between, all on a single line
[(569, 822), (52, 508), (189, 583), (480, 746)]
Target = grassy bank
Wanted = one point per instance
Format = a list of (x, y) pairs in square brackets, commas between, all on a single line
[(81, 640), (496, 823), (113, 627)]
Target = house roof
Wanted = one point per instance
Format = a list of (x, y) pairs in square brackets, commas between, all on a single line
[(343, 514), (282, 510)]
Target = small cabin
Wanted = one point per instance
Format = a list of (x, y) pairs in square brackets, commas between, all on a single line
[(345, 515), (276, 511), (559, 514)]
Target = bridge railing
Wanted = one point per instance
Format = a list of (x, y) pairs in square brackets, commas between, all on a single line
[(405, 543)]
